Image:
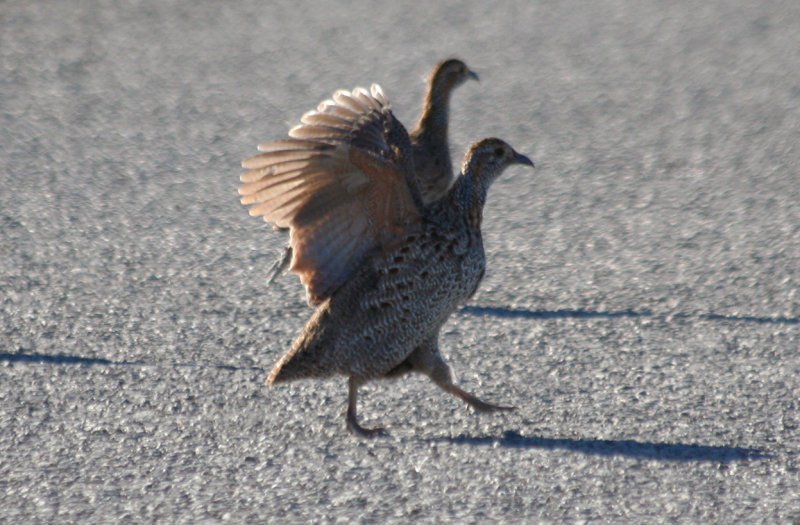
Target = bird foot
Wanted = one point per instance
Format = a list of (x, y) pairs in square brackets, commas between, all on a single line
[(482, 406), (360, 431), (280, 265), (474, 402)]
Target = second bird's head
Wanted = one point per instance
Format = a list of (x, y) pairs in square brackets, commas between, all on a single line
[(451, 73)]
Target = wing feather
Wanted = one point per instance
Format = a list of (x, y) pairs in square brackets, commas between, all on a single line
[(342, 183), (289, 145)]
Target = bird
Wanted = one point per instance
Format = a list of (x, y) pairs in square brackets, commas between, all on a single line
[(429, 144), (384, 270)]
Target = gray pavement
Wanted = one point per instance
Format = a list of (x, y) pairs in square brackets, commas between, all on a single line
[(641, 303)]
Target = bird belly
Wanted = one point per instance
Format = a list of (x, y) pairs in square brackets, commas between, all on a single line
[(395, 302)]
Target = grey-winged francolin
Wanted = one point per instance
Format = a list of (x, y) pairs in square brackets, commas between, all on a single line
[(384, 269)]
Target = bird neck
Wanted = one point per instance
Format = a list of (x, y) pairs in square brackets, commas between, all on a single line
[(468, 196), (432, 124)]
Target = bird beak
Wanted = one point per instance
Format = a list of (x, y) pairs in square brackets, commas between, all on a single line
[(473, 75), (522, 159)]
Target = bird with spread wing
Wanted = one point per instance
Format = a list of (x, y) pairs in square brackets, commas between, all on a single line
[(384, 269)]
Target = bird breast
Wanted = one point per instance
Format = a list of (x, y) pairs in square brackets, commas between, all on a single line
[(433, 270)]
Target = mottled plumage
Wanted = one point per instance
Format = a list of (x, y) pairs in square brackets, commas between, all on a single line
[(385, 270), (429, 145)]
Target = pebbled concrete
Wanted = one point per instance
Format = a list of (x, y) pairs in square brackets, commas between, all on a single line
[(641, 304)]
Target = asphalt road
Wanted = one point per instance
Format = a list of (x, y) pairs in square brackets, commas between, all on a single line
[(641, 302)]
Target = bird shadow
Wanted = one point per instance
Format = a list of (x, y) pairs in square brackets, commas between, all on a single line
[(521, 313), (604, 447), (59, 359), (63, 359)]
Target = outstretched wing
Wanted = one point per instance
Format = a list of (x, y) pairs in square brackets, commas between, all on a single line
[(343, 184)]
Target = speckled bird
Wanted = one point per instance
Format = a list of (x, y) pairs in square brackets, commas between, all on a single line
[(433, 168), (384, 269)]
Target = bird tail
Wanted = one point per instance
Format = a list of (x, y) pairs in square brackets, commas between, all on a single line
[(277, 374), (306, 357)]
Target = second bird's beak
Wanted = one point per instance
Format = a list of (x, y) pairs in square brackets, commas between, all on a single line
[(473, 75)]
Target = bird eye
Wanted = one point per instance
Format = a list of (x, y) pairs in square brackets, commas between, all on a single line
[(498, 152)]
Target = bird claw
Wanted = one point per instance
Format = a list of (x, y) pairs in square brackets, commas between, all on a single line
[(360, 431), (474, 402), (483, 406), (280, 265)]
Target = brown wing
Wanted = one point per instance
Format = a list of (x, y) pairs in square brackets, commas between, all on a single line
[(342, 184)]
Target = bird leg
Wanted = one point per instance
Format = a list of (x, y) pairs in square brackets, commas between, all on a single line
[(474, 402), (427, 360), (352, 421), (280, 265)]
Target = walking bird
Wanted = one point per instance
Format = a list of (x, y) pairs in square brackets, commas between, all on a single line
[(384, 269)]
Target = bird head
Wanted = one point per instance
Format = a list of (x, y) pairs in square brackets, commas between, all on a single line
[(451, 73), (486, 159), (483, 163)]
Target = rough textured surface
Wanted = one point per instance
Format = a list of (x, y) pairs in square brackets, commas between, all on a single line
[(641, 293)]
